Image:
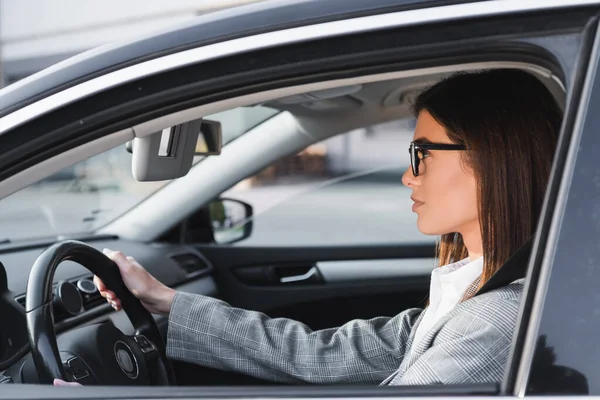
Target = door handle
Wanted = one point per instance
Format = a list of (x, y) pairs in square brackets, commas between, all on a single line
[(279, 275), (299, 278)]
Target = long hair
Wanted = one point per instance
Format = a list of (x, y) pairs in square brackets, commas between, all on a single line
[(510, 123)]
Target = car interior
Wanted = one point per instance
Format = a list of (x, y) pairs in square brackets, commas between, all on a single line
[(172, 235)]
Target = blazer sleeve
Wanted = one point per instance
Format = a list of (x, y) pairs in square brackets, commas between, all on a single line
[(209, 332)]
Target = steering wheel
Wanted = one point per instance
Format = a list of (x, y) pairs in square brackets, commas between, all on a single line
[(99, 353)]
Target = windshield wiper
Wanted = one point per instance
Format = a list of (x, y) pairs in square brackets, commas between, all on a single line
[(4, 241)]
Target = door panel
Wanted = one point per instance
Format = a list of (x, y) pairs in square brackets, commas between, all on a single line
[(349, 282)]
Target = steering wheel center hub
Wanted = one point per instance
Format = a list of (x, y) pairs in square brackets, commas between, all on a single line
[(126, 360)]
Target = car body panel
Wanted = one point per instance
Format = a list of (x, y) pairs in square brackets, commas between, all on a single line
[(211, 28), (17, 111)]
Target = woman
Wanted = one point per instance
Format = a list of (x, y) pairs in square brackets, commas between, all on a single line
[(480, 160)]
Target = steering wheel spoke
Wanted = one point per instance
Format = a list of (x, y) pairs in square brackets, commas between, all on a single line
[(150, 351), (76, 369)]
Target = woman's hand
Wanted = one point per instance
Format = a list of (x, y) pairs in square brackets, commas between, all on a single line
[(155, 297), (60, 382)]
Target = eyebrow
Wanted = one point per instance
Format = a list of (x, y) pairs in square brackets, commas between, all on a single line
[(422, 141)]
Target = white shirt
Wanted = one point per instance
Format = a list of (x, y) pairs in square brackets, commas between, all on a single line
[(447, 288)]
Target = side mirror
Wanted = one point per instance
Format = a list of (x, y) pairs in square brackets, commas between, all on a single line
[(231, 220)]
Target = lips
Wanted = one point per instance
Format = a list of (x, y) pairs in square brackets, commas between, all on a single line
[(417, 203)]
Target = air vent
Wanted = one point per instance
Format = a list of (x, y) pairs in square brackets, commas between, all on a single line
[(190, 263), (89, 294)]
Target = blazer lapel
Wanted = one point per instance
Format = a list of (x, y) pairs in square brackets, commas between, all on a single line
[(514, 269), (421, 347)]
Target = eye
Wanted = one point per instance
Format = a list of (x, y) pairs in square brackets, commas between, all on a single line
[(424, 153)]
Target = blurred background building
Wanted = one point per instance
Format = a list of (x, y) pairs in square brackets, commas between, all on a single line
[(35, 34)]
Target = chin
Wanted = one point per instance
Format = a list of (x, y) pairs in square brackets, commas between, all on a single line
[(426, 230), (430, 228)]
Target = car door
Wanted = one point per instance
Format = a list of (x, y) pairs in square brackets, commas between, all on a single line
[(84, 120)]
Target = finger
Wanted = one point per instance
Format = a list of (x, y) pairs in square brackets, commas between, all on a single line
[(104, 292), (108, 295), (119, 259), (60, 382), (99, 284), (115, 302), (116, 305)]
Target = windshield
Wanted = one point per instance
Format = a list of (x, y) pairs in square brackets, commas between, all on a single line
[(87, 195)]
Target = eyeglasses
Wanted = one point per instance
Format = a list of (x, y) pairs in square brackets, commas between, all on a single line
[(416, 148)]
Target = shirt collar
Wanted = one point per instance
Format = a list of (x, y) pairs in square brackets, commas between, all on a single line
[(460, 269), (454, 279)]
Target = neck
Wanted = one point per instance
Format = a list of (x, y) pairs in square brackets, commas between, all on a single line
[(473, 243)]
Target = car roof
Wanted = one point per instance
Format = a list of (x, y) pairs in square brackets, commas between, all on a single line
[(210, 28)]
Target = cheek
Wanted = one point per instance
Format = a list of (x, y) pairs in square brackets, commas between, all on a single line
[(451, 201)]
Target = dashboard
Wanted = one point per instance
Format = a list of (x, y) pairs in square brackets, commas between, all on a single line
[(76, 301)]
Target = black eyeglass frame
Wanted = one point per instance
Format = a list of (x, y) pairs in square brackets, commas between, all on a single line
[(415, 147)]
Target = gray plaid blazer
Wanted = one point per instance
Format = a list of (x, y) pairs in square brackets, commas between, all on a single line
[(469, 345)]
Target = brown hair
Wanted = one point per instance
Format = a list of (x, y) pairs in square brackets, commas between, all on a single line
[(510, 123)]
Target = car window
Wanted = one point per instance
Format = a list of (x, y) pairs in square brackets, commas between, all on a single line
[(346, 190), (87, 195)]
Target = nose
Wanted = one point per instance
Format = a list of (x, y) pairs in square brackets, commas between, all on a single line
[(408, 179)]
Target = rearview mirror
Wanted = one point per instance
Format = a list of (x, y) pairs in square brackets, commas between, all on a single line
[(169, 154), (210, 139), (209, 142), (231, 220)]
